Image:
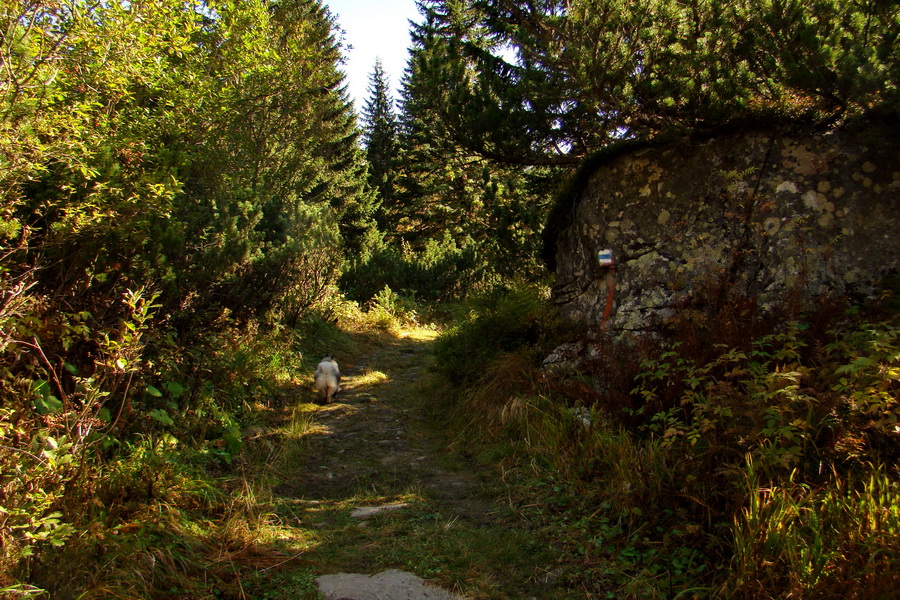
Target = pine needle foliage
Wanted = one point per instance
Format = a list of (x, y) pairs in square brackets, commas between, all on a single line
[(550, 82), (380, 131)]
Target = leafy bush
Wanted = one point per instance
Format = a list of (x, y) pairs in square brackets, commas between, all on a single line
[(501, 322), (790, 411), (131, 469), (163, 205), (438, 272)]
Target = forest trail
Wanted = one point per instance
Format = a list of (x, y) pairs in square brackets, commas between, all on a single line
[(383, 444)]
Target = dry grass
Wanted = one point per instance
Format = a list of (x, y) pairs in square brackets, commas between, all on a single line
[(497, 397)]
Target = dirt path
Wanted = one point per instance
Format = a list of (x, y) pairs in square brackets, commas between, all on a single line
[(376, 438), (381, 443)]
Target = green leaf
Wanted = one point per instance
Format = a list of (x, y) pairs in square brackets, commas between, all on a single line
[(42, 387), (233, 440), (161, 416), (857, 365), (154, 392), (45, 402), (174, 388)]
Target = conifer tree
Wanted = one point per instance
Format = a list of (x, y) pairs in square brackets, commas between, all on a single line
[(380, 138), (548, 81), (207, 147), (484, 212), (285, 147)]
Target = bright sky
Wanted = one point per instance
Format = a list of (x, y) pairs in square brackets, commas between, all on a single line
[(374, 29)]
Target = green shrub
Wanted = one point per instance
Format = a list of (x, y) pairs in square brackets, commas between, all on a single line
[(494, 324), (788, 407), (439, 271)]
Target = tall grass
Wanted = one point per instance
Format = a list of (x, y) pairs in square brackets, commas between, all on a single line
[(764, 467), (839, 539)]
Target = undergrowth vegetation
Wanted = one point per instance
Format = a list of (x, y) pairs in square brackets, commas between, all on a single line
[(487, 326), (716, 461), (139, 491), (188, 223), (171, 234)]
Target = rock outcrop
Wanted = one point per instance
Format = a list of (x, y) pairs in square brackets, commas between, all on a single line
[(756, 216)]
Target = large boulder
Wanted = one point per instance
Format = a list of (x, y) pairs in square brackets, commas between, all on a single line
[(765, 217)]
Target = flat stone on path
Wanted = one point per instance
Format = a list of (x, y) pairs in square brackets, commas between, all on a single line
[(389, 585), (367, 512)]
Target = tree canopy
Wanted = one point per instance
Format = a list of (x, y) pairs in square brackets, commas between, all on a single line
[(195, 146), (547, 82), (380, 131)]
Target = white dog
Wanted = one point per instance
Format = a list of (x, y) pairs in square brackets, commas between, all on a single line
[(328, 378)]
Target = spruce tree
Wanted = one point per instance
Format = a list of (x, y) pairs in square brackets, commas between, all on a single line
[(484, 212), (380, 139), (286, 148)]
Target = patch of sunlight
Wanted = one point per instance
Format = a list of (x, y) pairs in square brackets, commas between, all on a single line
[(251, 531), (370, 378), (419, 334), (302, 381), (411, 495), (280, 531), (335, 409), (302, 424)]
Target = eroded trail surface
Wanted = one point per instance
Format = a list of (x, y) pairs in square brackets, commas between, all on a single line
[(378, 489)]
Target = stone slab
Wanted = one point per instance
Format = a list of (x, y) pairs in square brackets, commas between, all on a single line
[(367, 512), (388, 585)]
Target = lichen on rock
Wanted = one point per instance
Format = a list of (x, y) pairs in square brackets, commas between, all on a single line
[(766, 215)]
